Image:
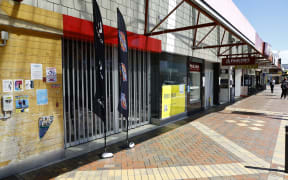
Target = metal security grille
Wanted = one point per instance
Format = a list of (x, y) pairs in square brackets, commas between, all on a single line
[(79, 86)]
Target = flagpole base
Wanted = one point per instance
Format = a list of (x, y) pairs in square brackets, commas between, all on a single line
[(131, 145), (106, 155)]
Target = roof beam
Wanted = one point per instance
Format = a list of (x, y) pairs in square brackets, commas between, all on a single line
[(195, 32), (205, 36), (146, 16), (217, 46), (166, 17), (181, 29), (255, 53)]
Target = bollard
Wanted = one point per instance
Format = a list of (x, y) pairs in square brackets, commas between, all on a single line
[(286, 149)]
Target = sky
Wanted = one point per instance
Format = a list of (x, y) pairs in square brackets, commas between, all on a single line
[(270, 19)]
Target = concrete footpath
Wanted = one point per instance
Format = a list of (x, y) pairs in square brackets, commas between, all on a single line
[(246, 140)]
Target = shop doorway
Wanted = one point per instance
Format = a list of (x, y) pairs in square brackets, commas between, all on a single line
[(79, 86)]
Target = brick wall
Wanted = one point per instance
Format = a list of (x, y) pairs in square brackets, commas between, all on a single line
[(19, 135)]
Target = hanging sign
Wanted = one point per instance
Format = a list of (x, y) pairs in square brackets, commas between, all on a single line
[(36, 72), (194, 67), (123, 106), (7, 85), (51, 75), (238, 61)]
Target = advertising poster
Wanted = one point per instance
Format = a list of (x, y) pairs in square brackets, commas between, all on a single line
[(18, 85), (22, 104), (7, 85), (42, 96), (44, 124), (36, 72), (28, 84), (51, 75), (173, 100)]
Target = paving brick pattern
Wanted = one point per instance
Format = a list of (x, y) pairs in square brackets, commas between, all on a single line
[(238, 142)]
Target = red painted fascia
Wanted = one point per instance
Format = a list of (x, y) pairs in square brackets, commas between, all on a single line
[(83, 30)]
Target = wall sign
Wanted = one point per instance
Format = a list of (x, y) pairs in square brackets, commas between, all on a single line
[(7, 85), (238, 61), (194, 67), (51, 75), (22, 104), (36, 72)]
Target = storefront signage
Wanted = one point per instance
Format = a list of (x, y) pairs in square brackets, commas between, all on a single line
[(194, 67), (238, 61)]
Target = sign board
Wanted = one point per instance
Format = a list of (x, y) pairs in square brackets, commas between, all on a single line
[(36, 72), (238, 61), (194, 67)]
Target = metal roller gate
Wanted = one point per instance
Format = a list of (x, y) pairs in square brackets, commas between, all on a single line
[(79, 86)]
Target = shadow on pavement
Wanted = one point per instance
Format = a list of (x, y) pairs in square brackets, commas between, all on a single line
[(265, 169)]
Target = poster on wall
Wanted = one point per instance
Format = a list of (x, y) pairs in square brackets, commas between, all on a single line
[(42, 96), (44, 124), (7, 85), (36, 72), (173, 100), (29, 84), (22, 104), (18, 85), (51, 75)]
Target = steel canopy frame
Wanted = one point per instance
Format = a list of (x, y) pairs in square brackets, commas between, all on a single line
[(214, 23)]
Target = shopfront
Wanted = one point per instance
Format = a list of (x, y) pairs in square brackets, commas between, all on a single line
[(176, 86)]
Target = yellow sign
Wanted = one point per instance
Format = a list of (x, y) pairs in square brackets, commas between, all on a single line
[(173, 100)]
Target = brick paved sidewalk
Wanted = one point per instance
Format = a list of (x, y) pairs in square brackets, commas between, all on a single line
[(244, 141)]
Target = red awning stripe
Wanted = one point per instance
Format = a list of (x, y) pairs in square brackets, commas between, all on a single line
[(83, 30)]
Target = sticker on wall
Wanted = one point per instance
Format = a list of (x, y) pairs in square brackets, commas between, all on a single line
[(7, 85), (51, 75), (22, 104), (44, 124), (18, 85), (36, 72), (29, 84), (42, 96), (55, 86)]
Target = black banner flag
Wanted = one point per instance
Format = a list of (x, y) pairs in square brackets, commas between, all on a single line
[(99, 97), (123, 106)]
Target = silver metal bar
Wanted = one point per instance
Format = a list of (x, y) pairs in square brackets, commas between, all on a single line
[(106, 89), (66, 71), (140, 85), (149, 85), (88, 121), (115, 89), (129, 86), (144, 63), (109, 89), (64, 63), (91, 90), (73, 81), (82, 93), (135, 58)]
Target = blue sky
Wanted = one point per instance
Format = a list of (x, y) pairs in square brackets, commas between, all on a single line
[(269, 18)]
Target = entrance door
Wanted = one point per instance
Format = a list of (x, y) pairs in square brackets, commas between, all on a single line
[(79, 86), (209, 88)]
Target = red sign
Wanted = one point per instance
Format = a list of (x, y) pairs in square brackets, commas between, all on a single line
[(194, 67), (238, 61)]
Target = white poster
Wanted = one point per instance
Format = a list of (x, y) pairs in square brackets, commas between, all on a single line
[(36, 72), (27, 84), (7, 85), (51, 75)]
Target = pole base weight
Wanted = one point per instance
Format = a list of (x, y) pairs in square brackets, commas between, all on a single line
[(131, 145), (106, 155)]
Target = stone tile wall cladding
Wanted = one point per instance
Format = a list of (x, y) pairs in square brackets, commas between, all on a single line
[(134, 14)]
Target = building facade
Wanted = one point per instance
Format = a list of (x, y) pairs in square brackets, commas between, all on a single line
[(49, 59)]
